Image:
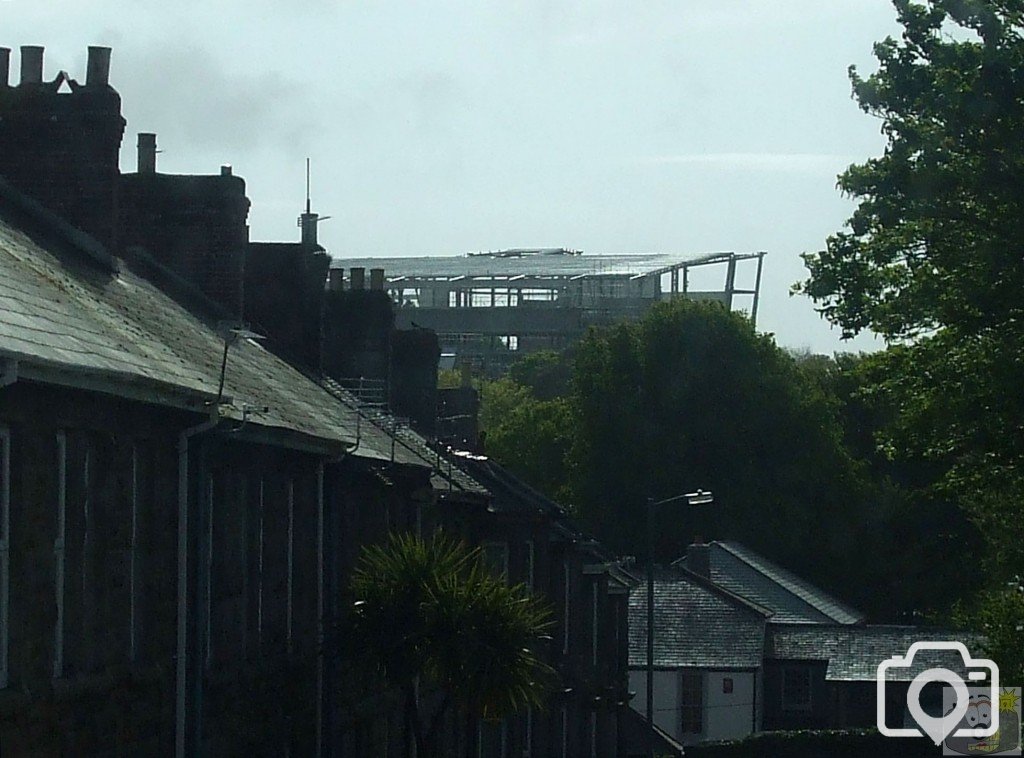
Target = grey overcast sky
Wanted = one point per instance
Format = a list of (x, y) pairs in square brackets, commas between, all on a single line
[(445, 127)]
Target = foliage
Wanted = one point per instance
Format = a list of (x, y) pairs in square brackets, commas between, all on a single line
[(547, 373), (533, 440), (932, 259), (429, 611), (692, 397)]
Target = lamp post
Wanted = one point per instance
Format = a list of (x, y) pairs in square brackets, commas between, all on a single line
[(700, 497)]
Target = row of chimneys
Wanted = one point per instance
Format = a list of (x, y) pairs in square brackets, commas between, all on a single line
[(97, 71), (357, 279)]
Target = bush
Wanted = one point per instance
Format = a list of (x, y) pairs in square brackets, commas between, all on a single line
[(862, 743)]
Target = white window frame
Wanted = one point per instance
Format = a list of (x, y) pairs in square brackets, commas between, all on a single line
[(60, 554), (5, 552)]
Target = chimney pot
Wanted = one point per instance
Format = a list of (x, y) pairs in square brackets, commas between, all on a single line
[(147, 153), (225, 170), (97, 72), (5, 66), (31, 64), (357, 278), (336, 279), (376, 278)]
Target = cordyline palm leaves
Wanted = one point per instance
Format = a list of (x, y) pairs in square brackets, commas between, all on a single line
[(430, 610)]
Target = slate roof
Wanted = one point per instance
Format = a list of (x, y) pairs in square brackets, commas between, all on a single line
[(70, 313), (790, 598), (696, 624), (854, 652)]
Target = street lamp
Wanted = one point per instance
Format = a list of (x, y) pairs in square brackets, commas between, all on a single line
[(700, 497)]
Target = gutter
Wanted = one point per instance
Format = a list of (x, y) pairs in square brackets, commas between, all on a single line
[(181, 685)]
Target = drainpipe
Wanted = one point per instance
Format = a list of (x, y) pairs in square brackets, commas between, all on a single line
[(320, 608), (181, 688)]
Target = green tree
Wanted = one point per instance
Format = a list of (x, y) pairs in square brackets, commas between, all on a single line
[(430, 612), (692, 397), (932, 257)]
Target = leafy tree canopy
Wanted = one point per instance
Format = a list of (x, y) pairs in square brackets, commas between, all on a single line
[(933, 260), (429, 610)]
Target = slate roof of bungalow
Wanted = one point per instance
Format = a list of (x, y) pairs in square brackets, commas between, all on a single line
[(71, 314), (787, 596), (854, 652), (696, 624)]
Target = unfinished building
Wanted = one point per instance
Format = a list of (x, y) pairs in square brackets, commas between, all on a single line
[(489, 308)]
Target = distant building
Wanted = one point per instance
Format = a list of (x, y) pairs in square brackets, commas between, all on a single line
[(741, 646), (489, 308)]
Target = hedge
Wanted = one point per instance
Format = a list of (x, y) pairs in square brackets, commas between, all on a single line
[(859, 743)]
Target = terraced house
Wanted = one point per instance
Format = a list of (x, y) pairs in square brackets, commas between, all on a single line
[(181, 500)]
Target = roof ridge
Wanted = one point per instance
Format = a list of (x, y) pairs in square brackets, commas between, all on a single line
[(801, 587), (727, 594)]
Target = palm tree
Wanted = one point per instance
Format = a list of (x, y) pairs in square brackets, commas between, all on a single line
[(429, 611)]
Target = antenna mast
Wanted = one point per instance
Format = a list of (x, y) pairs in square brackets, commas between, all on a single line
[(307, 185)]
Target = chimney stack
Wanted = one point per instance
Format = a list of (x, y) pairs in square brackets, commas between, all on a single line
[(97, 72), (376, 278), (226, 170), (357, 278), (5, 66), (308, 222), (336, 279), (698, 558), (147, 153), (31, 64)]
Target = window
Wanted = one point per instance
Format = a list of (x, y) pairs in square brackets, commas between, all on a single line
[(59, 554), (133, 557), (491, 738), (5, 549), (495, 555), (529, 565), (796, 688), (208, 559), (594, 597), (593, 734), (691, 702), (259, 565), (727, 685), (565, 732), (565, 607), (291, 563)]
